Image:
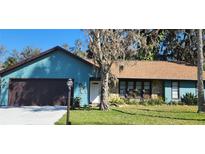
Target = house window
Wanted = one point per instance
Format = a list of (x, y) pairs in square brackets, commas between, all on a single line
[(147, 89), (130, 86), (175, 90), (135, 88), (130, 89), (138, 89), (122, 88)]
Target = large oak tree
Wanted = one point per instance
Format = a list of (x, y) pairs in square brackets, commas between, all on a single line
[(110, 45)]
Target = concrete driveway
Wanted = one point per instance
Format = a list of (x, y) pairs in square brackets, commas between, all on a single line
[(31, 115)]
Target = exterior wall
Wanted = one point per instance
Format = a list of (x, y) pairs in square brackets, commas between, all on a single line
[(187, 87), (163, 89), (54, 65), (184, 87), (167, 91)]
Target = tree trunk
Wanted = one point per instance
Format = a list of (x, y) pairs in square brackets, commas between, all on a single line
[(104, 90), (200, 85)]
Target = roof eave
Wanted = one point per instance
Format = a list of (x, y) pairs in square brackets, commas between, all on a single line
[(156, 78)]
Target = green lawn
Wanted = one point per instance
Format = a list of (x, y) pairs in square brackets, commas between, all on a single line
[(139, 115)]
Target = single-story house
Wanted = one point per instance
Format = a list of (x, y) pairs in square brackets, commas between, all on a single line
[(153, 79), (41, 80)]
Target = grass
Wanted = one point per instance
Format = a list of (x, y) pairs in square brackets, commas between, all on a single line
[(137, 115)]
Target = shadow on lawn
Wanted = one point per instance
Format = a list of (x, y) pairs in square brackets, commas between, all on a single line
[(156, 116), (163, 111)]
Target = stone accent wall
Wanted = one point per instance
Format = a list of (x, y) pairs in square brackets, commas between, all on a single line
[(157, 89)]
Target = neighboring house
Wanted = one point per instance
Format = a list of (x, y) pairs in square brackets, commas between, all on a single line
[(41, 80), (153, 79)]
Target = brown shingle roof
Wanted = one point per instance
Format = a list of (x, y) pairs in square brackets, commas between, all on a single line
[(154, 70)]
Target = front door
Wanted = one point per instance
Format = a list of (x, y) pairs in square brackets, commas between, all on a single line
[(95, 91)]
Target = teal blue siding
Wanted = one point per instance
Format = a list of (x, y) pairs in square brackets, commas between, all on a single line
[(54, 65), (187, 87), (167, 91), (184, 87)]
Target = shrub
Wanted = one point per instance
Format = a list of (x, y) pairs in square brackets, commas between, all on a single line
[(152, 102), (189, 99), (180, 103), (86, 107), (176, 103), (117, 100), (143, 102), (158, 101), (76, 102), (173, 103), (132, 101)]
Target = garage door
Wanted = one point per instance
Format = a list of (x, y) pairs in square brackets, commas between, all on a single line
[(26, 92)]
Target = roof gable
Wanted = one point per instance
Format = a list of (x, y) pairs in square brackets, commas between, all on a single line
[(43, 54)]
